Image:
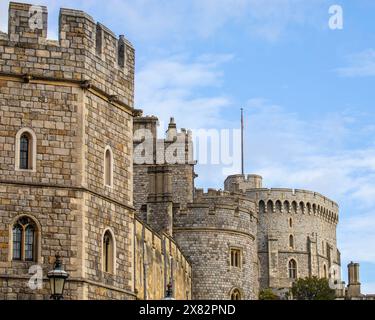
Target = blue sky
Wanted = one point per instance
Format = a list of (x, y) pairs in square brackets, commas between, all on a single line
[(307, 91)]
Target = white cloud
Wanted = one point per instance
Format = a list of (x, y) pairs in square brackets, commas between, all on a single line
[(268, 19), (359, 65), (309, 153), (292, 151), (158, 20), (368, 288), (172, 87)]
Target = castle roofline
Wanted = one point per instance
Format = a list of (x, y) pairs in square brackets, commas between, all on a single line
[(294, 192)]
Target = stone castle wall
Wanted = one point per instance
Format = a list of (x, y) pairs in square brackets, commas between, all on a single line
[(206, 231), (76, 95), (310, 218), (156, 180), (159, 261), (85, 51)]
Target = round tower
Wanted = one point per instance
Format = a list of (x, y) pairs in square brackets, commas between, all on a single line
[(241, 183), (296, 236), (217, 234)]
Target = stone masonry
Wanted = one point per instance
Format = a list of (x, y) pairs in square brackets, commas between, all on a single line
[(96, 167), (75, 96), (270, 227)]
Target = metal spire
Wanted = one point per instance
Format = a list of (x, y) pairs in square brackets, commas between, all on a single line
[(242, 143)]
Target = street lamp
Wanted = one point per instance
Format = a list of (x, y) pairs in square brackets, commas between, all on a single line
[(169, 295), (57, 278)]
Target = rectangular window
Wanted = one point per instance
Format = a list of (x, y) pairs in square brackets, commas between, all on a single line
[(17, 241), (29, 244), (235, 258)]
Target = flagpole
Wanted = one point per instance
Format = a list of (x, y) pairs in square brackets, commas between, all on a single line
[(242, 143)]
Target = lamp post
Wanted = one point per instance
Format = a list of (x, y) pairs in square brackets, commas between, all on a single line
[(169, 295), (57, 278)]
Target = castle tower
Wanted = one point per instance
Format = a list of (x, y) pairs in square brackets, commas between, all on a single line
[(159, 201), (66, 155), (241, 183), (163, 172), (354, 286), (296, 236), (217, 234)]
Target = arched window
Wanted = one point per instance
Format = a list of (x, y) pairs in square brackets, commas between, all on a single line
[(291, 241), (262, 207), (24, 240), (108, 167), (294, 207), (235, 258), (308, 208), (292, 268), (25, 150), (269, 206), (286, 206), (108, 252), (235, 295), (278, 206), (290, 222), (302, 207), (325, 272)]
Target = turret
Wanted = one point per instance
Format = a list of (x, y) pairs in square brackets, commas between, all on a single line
[(168, 160), (354, 286), (243, 183)]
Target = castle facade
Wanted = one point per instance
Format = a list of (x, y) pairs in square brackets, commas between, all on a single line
[(77, 178)]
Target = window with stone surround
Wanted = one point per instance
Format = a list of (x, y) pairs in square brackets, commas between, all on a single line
[(108, 167), (24, 245), (108, 253), (235, 294), (235, 258), (291, 241), (292, 268), (25, 150)]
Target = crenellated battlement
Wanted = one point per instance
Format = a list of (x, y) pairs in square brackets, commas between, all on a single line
[(175, 148), (85, 51), (77, 30), (218, 199), (285, 200), (199, 193), (297, 193), (241, 183), (217, 216)]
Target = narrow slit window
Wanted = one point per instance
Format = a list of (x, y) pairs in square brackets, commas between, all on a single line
[(17, 242), (25, 143), (29, 243), (291, 241), (108, 167), (108, 263)]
